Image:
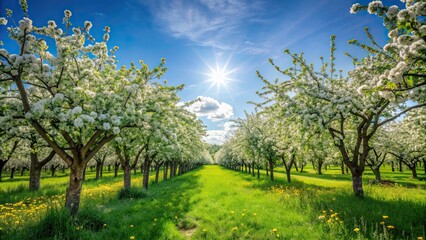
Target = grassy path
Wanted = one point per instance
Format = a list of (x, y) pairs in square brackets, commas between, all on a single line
[(216, 203)]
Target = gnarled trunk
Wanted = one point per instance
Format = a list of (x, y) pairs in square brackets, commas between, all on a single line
[(146, 169), (357, 184), (72, 197), (98, 170), (414, 171), (116, 167), (12, 172), (377, 174), (166, 169), (127, 175)]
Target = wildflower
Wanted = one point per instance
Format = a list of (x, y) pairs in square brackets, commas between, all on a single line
[(132, 237), (232, 212), (243, 214), (254, 214), (155, 219), (385, 217), (382, 223), (105, 225), (390, 227), (274, 230), (420, 238), (356, 230), (204, 230), (234, 228), (131, 226), (17, 222), (278, 235)]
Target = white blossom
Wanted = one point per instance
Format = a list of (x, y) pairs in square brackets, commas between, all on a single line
[(106, 126), (76, 110), (78, 122), (116, 130), (373, 6), (3, 21), (355, 8)]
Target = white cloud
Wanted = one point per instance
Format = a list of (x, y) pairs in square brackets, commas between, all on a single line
[(205, 22), (211, 108), (220, 136)]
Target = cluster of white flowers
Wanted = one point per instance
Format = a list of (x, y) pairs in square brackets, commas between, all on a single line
[(355, 8), (374, 6), (26, 25), (392, 12), (3, 21)]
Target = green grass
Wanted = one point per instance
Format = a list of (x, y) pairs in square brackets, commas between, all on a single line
[(216, 203)]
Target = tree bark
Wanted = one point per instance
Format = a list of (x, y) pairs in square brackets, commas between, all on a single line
[(342, 167), (393, 166), (357, 184), (319, 169), (116, 167), (2, 164), (271, 168), (400, 165), (35, 174), (258, 171), (166, 168), (376, 172), (12, 172), (127, 175), (252, 170), (414, 171), (145, 181), (72, 199), (157, 171), (98, 170), (424, 165)]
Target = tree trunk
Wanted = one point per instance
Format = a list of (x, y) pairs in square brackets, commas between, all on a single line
[(393, 166), (157, 173), (342, 167), (414, 171), (2, 164), (171, 170), (301, 168), (320, 163), (166, 168), (98, 170), (127, 175), (347, 170), (53, 170), (267, 169), (400, 165), (102, 169), (296, 167), (22, 170), (72, 197), (357, 183), (376, 172), (245, 165), (249, 167), (145, 181), (109, 168), (271, 167), (258, 172), (424, 165), (116, 167), (12, 172), (252, 170), (35, 173)]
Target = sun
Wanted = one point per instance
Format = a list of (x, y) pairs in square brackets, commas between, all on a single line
[(219, 75)]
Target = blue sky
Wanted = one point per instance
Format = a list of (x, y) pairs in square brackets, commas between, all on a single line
[(197, 37)]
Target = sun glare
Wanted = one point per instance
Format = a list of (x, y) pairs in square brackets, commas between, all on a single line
[(219, 75)]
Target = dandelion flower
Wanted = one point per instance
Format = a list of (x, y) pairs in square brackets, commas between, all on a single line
[(382, 223), (254, 214), (420, 238), (131, 225), (105, 225), (390, 227), (234, 228), (132, 238), (356, 230), (385, 217), (274, 230)]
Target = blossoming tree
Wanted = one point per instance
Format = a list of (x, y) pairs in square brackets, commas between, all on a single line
[(76, 99)]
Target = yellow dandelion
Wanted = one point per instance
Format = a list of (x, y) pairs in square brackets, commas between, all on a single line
[(420, 238), (105, 225), (382, 223), (278, 235), (254, 214), (390, 227), (131, 226), (385, 217), (132, 237), (356, 230), (204, 230), (243, 214), (17, 222), (234, 228), (232, 212), (274, 230)]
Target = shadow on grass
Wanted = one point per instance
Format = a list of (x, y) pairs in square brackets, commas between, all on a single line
[(161, 211), (407, 216)]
